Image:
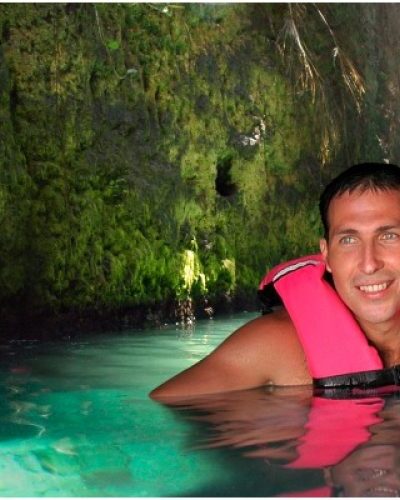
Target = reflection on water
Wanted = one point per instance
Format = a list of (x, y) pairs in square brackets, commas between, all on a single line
[(355, 442), (75, 420)]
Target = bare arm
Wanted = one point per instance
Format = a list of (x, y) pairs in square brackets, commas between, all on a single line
[(264, 351)]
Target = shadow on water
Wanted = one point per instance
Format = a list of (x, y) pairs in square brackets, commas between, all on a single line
[(291, 442)]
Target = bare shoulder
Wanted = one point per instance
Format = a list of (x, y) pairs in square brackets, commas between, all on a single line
[(272, 343), (283, 356), (276, 323), (262, 331), (264, 351)]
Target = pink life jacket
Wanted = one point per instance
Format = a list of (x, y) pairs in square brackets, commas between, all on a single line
[(337, 351), (335, 428)]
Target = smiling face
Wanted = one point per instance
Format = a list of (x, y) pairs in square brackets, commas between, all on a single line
[(368, 472), (363, 254)]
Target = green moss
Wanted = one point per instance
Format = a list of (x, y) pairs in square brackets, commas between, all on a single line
[(115, 120)]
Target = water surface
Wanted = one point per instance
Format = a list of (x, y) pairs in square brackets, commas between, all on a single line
[(76, 420)]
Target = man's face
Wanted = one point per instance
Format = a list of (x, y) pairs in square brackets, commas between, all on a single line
[(363, 253), (368, 472)]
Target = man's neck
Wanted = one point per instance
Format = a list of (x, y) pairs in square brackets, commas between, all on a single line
[(385, 337)]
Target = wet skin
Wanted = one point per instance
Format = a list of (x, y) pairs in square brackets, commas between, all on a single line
[(363, 255)]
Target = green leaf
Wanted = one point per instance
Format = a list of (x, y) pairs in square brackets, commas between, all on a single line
[(112, 44)]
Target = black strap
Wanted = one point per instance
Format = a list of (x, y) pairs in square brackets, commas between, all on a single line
[(363, 380)]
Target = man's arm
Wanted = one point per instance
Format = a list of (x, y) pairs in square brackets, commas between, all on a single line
[(264, 351)]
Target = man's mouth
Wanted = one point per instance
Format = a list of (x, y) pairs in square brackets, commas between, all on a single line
[(374, 288), (382, 491), (367, 474)]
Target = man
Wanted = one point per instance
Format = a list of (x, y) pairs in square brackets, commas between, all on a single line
[(360, 211)]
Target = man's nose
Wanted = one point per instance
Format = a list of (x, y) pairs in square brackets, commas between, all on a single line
[(370, 259)]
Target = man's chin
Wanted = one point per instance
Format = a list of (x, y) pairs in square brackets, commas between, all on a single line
[(376, 317)]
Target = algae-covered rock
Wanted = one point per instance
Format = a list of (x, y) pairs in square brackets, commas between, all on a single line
[(131, 131)]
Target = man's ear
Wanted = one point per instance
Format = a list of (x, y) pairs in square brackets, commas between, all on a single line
[(323, 246)]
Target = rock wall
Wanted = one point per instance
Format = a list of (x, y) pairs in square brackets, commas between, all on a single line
[(153, 151)]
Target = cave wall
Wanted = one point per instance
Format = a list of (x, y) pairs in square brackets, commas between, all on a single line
[(151, 151)]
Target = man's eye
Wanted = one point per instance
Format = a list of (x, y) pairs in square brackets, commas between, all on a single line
[(389, 236), (347, 240)]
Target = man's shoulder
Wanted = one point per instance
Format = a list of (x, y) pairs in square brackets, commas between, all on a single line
[(277, 322), (274, 331), (264, 351), (273, 346)]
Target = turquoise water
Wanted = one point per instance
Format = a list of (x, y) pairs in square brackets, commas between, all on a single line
[(76, 421)]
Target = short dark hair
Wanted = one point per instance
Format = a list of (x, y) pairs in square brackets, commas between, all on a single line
[(362, 177)]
